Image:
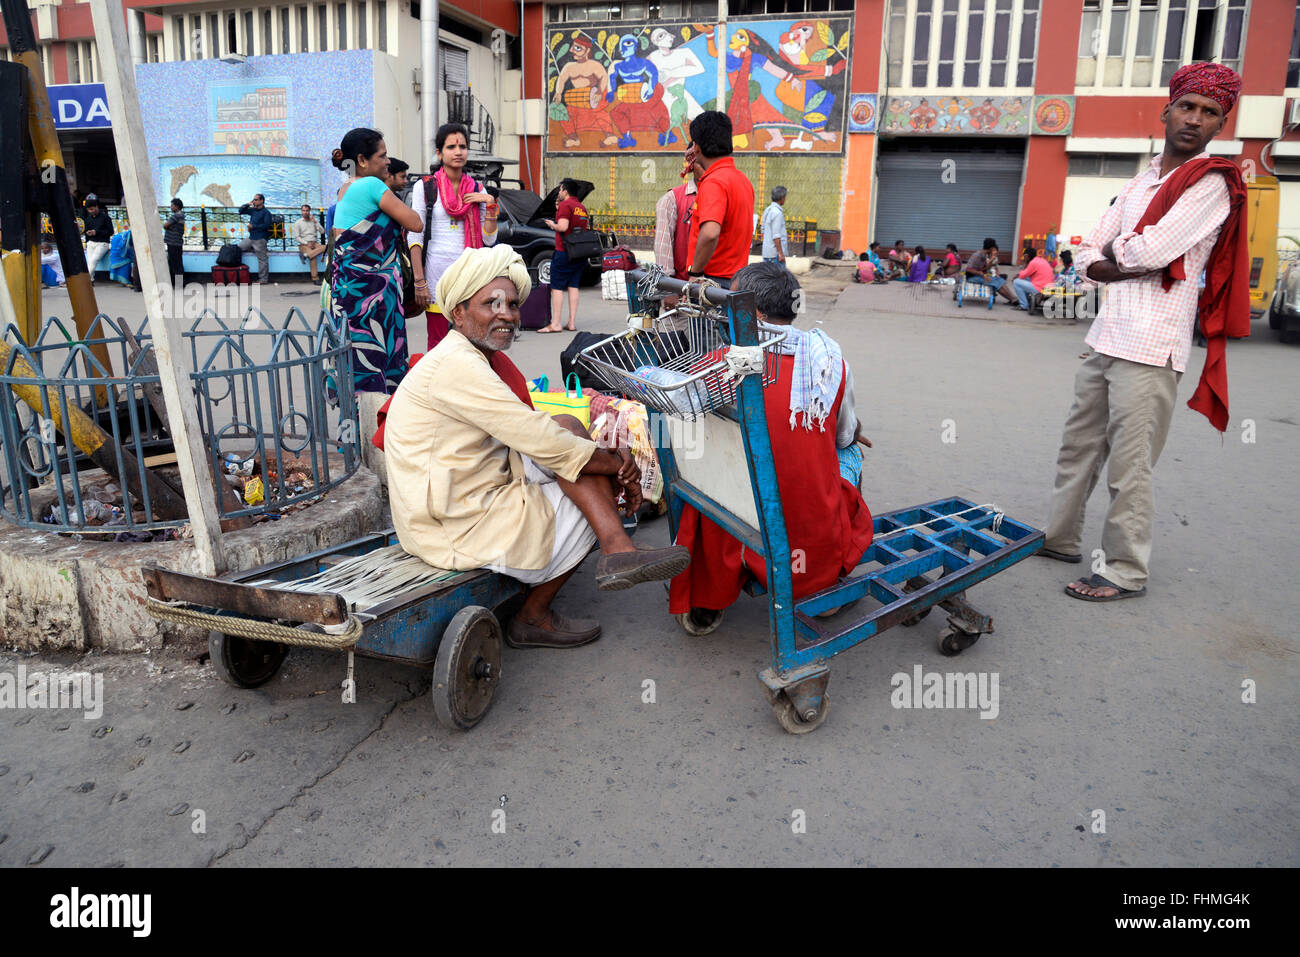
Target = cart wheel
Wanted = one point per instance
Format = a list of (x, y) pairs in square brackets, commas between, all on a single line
[(952, 641), (243, 662), (699, 622), (915, 619), (792, 722), (467, 668)]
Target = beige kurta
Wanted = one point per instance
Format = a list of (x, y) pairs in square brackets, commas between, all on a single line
[(453, 443)]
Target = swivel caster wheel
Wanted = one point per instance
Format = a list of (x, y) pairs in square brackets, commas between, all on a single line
[(699, 622), (953, 641), (795, 723), (243, 662), (467, 669)]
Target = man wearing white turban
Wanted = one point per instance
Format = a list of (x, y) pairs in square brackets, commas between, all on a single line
[(478, 478)]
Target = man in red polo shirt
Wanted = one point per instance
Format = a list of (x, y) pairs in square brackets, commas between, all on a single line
[(722, 226)]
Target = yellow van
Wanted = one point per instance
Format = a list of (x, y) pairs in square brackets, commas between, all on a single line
[(1261, 211)]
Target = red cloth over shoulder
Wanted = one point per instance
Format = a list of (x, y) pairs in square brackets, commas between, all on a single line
[(501, 365), (1224, 305), (828, 523)]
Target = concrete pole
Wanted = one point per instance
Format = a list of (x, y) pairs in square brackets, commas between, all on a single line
[(430, 80), (722, 56), (146, 232)]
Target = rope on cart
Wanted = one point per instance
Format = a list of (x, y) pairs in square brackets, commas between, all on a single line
[(998, 515), (252, 629)]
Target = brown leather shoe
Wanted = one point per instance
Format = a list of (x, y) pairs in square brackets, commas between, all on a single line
[(563, 633), (625, 569)]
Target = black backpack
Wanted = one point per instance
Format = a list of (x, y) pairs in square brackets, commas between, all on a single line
[(229, 255)]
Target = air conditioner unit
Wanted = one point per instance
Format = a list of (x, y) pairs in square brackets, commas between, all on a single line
[(1293, 115)]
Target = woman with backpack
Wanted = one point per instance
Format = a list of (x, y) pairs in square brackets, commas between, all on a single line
[(366, 273), (455, 215)]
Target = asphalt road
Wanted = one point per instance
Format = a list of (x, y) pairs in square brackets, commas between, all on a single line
[(1133, 709)]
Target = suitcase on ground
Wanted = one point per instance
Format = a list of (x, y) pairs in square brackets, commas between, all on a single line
[(536, 310), (228, 275)]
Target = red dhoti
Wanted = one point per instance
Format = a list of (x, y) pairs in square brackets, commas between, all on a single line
[(827, 522)]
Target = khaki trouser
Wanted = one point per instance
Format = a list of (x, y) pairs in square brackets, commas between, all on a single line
[(1122, 411)]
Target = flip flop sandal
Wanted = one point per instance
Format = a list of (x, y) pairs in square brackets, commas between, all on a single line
[(1060, 556), (1096, 581)]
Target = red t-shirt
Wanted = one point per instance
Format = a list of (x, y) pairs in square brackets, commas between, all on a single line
[(726, 197), (575, 213)]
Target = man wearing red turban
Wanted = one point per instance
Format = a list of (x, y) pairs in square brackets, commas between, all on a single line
[(1186, 213)]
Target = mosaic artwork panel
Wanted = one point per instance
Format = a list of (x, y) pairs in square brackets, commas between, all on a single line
[(639, 86), (179, 103)]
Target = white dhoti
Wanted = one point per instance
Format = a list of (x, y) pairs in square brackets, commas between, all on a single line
[(574, 537)]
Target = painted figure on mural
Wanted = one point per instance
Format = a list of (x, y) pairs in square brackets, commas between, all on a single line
[(806, 51), (951, 113), (748, 51), (1014, 118), (984, 118), (675, 67), (581, 88), (923, 117), (637, 96)]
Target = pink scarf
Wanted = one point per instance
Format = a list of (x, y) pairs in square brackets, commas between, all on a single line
[(457, 208)]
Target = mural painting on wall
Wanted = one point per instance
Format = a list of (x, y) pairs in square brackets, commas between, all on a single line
[(1003, 115), (250, 117), (862, 113), (640, 86), (233, 180)]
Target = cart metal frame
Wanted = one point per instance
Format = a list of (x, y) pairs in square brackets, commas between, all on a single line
[(920, 557)]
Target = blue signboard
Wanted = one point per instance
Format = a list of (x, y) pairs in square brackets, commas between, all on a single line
[(79, 106)]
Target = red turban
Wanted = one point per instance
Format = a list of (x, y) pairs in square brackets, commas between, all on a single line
[(581, 42), (1220, 83)]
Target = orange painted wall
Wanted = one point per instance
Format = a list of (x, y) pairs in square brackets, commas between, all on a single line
[(860, 148)]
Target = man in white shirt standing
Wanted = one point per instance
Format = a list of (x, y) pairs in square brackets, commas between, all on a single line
[(1125, 390), (774, 228)]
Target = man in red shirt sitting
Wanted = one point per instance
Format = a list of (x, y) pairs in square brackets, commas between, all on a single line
[(722, 224)]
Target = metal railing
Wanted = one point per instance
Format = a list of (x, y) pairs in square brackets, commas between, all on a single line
[(800, 233), (208, 228), (462, 107), (274, 400)]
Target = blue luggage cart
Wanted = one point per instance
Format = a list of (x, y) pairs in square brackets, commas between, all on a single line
[(708, 403)]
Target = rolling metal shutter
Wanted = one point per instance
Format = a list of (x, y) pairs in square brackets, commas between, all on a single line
[(455, 67), (915, 205)]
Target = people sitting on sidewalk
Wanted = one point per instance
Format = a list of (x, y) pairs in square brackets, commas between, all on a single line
[(951, 261), (866, 271), (982, 269), (919, 271), (478, 478), (1033, 279), (816, 449), (900, 261)]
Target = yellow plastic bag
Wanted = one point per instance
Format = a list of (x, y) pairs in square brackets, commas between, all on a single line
[(569, 402)]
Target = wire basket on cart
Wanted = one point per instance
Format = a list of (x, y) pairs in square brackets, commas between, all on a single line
[(683, 372)]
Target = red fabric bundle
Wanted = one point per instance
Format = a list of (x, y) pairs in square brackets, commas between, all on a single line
[(1224, 305)]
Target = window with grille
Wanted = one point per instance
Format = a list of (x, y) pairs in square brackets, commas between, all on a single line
[(1141, 43), (947, 44), (1118, 165), (1293, 65)]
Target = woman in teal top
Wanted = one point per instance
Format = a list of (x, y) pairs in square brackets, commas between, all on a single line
[(366, 277)]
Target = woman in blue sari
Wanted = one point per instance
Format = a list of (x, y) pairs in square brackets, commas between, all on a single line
[(366, 276)]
